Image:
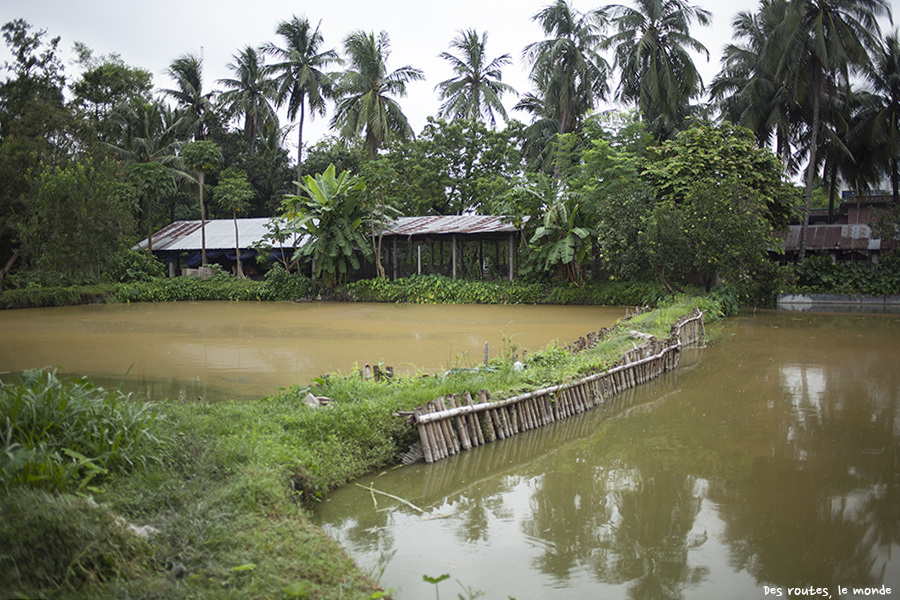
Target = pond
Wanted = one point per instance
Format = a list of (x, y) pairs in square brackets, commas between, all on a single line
[(244, 350), (770, 461)]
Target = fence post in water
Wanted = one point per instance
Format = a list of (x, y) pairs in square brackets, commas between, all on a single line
[(487, 354), (474, 424), (423, 436)]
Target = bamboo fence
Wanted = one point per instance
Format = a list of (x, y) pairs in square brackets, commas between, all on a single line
[(455, 423)]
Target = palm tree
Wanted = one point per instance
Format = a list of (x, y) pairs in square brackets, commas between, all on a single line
[(652, 46), (746, 89), (187, 71), (566, 69), (148, 133), (300, 73), (250, 93), (475, 91), (364, 92), (823, 43), (879, 126)]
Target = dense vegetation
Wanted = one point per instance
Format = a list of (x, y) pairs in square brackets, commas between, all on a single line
[(664, 188), (104, 496)]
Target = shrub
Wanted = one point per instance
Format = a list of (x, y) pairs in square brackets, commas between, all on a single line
[(283, 285), (60, 434), (435, 289), (128, 265)]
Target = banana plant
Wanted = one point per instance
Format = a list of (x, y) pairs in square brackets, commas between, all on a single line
[(330, 210)]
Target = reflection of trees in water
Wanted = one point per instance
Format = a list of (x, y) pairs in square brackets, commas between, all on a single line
[(649, 544), (824, 507), (475, 517), (568, 506), (625, 525)]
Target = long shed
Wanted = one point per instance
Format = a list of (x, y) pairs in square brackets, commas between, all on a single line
[(474, 246), (418, 245)]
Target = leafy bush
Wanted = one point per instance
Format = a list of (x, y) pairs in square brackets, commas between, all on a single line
[(60, 434), (128, 265), (435, 289), (821, 274), (284, 285)]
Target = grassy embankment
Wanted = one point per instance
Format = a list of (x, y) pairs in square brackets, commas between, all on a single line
[(225, 487)]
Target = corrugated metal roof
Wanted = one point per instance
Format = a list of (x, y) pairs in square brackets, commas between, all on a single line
[(442, 225), (833, 237), (185, 236)]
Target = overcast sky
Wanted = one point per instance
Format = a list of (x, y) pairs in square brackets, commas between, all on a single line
[(152, 34)]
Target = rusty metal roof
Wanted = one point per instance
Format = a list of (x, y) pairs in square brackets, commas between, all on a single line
[(450, 224), (185, 236), (833, 237)]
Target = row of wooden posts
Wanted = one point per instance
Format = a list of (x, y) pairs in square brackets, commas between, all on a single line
[(454, 423)]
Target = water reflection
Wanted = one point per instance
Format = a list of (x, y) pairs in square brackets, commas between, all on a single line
[(772, 460)]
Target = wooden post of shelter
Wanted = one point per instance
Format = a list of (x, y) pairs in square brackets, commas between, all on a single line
[(453, 260), (511, 255)]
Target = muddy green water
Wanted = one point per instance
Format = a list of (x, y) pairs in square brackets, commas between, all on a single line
[(219, 350), (770, 460)]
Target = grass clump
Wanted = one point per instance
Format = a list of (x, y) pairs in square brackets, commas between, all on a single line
[(56, 433)]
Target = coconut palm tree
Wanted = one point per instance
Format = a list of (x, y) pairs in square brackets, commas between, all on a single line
[(250, 94), (187, 71), (879, 126), (474, 93), (566, 69), (148, 133), (746, 89), (300, 73), (823, 43), (365, 91), (652, 46)]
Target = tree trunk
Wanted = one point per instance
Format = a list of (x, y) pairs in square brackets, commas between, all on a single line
[(237, 249), (202, 225), (810, 173), (895, 180), (300, 143), (8, 266), (150, 224), (832, 191)]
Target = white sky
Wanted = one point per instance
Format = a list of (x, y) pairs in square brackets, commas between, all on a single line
[(152, 34)]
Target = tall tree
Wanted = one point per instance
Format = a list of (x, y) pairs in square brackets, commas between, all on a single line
[(250, 93), (187, 72), (203, 157), (365, 91), (234, 193), (474, 92), (35, 128), (823, 43), (106, 82), (879, 127), (567, 71), (300, 74), (746, 88), (148, 132), (652, 47)]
